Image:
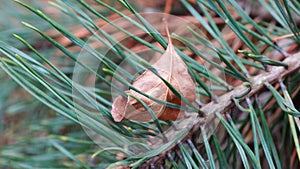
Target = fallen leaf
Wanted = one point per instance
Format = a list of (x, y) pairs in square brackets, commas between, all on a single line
[(172, 69)]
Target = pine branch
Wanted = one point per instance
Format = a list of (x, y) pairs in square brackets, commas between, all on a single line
[(53, 86), (225, 103)]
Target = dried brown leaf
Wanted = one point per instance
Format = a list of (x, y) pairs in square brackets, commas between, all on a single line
[(172, 69)]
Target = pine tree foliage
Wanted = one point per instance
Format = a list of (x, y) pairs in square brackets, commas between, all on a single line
[(247, 115)]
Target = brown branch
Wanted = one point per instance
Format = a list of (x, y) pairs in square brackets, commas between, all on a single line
[(193, 123)]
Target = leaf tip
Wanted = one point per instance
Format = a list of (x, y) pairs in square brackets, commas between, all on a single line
[(167, 31), (119, 108)]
